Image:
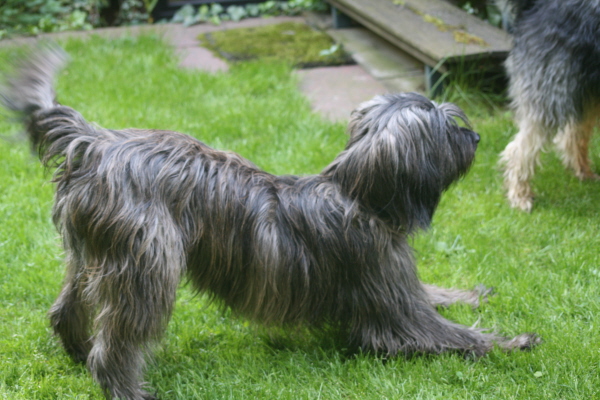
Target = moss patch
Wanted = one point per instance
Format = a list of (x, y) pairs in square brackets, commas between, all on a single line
[(294, 43), (459, 33)]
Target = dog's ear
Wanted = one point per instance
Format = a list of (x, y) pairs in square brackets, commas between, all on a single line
[(400, 158)]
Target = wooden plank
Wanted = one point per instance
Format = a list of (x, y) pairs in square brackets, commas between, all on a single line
[(496, 40), (430, 30)]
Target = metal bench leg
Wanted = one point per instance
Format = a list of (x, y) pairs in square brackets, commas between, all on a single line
[(341, 20), (434, 81)]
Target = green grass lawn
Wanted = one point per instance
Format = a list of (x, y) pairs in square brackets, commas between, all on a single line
[(545, 266)]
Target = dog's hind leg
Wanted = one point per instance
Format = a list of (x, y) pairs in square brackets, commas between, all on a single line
[(442, 297), (573, 143), (70, 314), (519, 159), (135, 296)]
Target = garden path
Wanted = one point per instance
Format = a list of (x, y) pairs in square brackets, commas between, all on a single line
[(333, 91)]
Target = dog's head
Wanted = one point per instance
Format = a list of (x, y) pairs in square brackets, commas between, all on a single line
[(404, 151)]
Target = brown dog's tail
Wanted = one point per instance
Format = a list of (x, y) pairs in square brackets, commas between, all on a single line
[(29, 92)]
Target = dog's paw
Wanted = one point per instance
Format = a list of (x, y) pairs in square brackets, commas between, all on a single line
[(484, 292), (521, 203), (78, 352), (524, 341), (587, 176), (519, 194)]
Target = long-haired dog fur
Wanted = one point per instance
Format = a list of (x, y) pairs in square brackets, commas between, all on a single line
[(554, 74), (140, 209)]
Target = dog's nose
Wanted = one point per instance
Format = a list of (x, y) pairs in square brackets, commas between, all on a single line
[(477, 137)]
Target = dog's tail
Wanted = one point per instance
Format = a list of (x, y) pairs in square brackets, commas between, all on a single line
[(30, 88), (29, 92)]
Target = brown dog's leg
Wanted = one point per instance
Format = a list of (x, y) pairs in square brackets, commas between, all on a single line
[(573, 145), (519, 159)]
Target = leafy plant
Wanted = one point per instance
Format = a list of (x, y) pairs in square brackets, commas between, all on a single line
[(133, 12), (485, 10), (149, 6), (38, 16), (188, 15)]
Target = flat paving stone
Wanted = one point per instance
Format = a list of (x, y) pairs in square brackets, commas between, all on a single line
[(201, 58), (336, 91)]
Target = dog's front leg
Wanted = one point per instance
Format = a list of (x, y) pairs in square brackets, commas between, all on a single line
[(519, 160), (70, 314), (573, 142), (134, 304), (442, 297), (393, 314), (416, 328)]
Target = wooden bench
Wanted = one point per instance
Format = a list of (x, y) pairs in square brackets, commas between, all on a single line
[(433, 31)]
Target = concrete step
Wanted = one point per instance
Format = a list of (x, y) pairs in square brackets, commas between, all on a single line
[(395, 70)]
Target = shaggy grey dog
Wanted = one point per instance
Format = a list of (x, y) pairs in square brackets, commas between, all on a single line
[(139, 210), (554, 72)]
